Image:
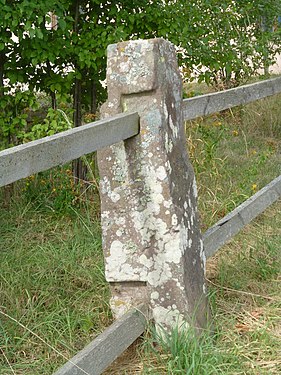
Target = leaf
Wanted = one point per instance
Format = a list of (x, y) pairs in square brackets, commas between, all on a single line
[(62, 23), (39, 33), (31, 33)]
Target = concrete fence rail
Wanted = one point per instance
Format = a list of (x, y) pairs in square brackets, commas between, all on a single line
[(216, 236), (101, 352), (45, 153), (208, 104)]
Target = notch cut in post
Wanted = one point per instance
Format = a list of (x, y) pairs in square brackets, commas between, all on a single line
[(152, 243)]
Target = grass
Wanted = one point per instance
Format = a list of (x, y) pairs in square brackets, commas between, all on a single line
[(234, 154), (52, 283)]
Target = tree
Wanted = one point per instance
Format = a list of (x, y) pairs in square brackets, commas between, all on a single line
[(70, 59), (223, 42)]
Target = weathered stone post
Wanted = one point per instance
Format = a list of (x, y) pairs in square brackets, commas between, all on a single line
[(152, 243)]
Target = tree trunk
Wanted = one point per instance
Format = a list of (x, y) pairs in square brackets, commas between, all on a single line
[(8, 189), (93, 97), (54, 100), (79, 170), (2, 61), (52, 94)]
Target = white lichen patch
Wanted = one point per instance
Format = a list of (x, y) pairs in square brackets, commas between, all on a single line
[(168, 203), (173, 127), (168, 166), (161, 173), (120, 306), (165, 110), (174, 220), (168, 143), (194, 188), (160, 228), (114, 196), (105, 214), (154, 295), (118, 266), (116, 258), (173, 250), (204, 288), (147, 262), (145, 221), (130, 247), (105, 185), (120, 220), (165, 317), (161, 274), (203, 255), (120, 166), (178, 284), (120, 232)]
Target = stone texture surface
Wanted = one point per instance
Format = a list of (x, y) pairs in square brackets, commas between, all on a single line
[(152, 244)]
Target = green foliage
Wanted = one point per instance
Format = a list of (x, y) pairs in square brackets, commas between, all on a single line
[(59, 47), (13, 115), (53, 123), (224, 43), (54, 190)]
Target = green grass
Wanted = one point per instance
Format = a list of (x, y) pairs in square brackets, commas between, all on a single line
[(53, 296), (234, 154), (52, 283)]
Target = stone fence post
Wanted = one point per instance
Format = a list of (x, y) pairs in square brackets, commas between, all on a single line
[(151, 239)]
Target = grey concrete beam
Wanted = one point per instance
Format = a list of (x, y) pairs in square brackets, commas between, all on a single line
[(216, 236), (37, 156), (204, 105), (103, 350)]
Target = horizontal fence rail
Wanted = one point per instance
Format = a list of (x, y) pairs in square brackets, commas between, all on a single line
[(101, 352), (37, 156), (216, 236), (204, 105)]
